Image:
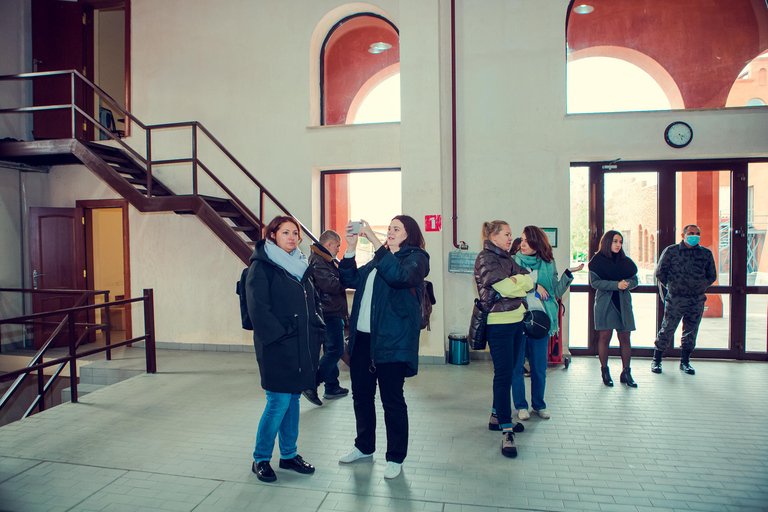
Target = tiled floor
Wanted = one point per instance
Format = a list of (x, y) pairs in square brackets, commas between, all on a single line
[(182, 440)]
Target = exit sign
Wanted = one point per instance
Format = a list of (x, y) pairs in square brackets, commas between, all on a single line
[(433, 222)]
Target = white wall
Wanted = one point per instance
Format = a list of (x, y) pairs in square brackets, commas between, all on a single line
[(242, 69), (16, 48)]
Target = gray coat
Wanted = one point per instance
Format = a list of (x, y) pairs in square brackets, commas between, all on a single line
[(603, 303)]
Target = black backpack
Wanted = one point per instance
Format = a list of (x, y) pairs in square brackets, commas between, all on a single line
[(245, 320), (240, 289), (427, 301)]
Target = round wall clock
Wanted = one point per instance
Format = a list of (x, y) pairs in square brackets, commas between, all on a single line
[(678, 134)]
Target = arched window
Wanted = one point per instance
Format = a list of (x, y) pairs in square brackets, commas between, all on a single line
[(750, 89), (653, 249), (359, 60), (652, 35), (639, 242)]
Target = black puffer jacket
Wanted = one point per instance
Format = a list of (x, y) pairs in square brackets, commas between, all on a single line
[(395, 306), (287, 324), (492, 265), (333, 296)]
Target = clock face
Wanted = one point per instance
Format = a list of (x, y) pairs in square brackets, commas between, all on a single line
[(678, 134)]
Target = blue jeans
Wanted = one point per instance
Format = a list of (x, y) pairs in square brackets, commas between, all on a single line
[(280, 418), (507, 348), (333, 349), (537, 357)]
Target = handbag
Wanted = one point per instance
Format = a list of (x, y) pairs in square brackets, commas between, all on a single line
[(536, 323), (477, 327)]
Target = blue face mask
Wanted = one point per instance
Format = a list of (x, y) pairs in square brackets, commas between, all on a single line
[(692, 240)]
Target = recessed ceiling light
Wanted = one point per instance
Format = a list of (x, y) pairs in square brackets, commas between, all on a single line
[(379, 47), (583, 9)]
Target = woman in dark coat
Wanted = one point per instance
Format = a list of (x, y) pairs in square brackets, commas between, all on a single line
[(613, 274), (502, 285), (287, 330), (384, 333)]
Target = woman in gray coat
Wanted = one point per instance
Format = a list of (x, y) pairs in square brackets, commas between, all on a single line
[(613, 274)]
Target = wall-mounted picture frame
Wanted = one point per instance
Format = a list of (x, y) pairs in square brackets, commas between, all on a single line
[(552, 235)]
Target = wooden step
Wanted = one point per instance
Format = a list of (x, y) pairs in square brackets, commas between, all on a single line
[(243, 228)]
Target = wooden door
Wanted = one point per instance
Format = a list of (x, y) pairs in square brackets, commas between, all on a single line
[(58, 43), (58, 257)]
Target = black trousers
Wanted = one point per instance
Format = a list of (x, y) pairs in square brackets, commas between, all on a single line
[(391, 378)]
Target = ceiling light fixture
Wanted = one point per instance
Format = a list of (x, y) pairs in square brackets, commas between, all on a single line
[(377, 48), (583, 9)]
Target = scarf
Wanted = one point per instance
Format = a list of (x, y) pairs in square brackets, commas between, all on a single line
[(546, 274), (295, 263), (613, 269)]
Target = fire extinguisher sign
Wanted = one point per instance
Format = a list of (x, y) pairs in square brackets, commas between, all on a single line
[(433, 223)]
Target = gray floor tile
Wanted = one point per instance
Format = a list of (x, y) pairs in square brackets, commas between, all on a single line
[(182, 440)]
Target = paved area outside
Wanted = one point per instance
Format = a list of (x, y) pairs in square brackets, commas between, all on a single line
[(182, 440)]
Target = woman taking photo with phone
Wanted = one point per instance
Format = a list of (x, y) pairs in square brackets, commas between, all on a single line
[(535, 255), (613, 274), (287, 330), (384, 332), (502, 286)]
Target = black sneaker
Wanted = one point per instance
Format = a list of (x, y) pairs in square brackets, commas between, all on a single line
[(335, 392), (264, 471), (508, 448), (493, 424), (311, 395), (656, 366), (298, 465), (687, 368)]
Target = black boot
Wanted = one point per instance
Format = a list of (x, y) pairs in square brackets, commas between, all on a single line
[(607, 376), (685, 364), (626, 378), (656, 363)]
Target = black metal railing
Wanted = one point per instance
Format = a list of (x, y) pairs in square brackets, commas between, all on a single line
[(69, 325), (147, 161)]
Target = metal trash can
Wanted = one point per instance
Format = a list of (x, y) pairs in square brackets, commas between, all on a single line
[(458, 349)]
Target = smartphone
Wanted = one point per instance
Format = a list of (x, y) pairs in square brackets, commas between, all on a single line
[(356, 225)]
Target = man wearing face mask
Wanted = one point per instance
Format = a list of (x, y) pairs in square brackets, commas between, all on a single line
[(686, 270)]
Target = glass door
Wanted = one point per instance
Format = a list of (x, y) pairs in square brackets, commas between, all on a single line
[(650, 203)]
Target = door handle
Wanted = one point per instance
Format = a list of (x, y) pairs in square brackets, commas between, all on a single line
[(35, 275)]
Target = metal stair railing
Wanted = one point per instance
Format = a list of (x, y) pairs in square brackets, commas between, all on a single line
[(146, 161), (74, 342)]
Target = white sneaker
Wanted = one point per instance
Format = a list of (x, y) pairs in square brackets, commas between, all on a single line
[(354, 455), (543, 414), (393, 470), (523, 414)]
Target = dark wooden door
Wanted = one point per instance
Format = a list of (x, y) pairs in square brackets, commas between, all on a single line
[(58, 43), (57, 256)]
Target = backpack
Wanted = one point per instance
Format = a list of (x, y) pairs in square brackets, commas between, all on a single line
[(427, 301), (245, 320)]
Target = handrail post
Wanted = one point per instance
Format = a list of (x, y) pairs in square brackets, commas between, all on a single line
[(108, 331), (72, 98), (40, 390), (149, 330), (194, 159), (72, 358), (149, 162)]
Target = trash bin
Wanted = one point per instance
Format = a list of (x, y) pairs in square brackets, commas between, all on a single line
[(458, 349)]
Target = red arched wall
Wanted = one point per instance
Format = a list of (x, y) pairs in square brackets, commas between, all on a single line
[(703, 44), (348, 64)]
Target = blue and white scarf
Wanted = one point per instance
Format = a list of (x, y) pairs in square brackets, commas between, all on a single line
[(295, 263)]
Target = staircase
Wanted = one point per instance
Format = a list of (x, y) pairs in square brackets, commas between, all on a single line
[(129, 173)]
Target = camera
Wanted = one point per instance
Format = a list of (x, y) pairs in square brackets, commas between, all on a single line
[(356, 225)]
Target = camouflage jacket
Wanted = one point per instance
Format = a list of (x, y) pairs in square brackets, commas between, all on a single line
[(686, 271)]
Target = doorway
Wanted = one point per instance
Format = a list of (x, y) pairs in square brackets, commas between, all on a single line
[(92, 37), (107, 254), (650, 203)]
